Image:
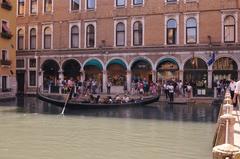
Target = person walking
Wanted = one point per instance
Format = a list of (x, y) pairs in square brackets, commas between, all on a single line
[(232, 86), (236, 94), (171, 92), (109, 85)]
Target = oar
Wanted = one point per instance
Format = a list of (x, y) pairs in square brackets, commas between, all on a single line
[(65, 104)]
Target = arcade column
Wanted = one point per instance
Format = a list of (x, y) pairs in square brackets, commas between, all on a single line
[(104, 81), (210, 75), (154, 75), (129, 81), (60, 75), (181, 75), (82, 75)]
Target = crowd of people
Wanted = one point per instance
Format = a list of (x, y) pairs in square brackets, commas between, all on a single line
[(141, 87)]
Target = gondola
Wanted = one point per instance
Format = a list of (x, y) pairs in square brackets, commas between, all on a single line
[(82, 105)]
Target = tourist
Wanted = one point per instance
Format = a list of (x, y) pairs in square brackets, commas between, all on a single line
[(125, 87), (165, 87), (189, 90), (236, 94), (171, 92), (232, 86), (109, 85)]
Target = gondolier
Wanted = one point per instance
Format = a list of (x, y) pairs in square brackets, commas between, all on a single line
[(236, 94)]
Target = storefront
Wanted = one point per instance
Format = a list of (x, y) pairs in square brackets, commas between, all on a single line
[(116, 72), (71, 69), (50, 70), (225, 69), (141, 70), (93, 70), (195, 73), (167, 69)]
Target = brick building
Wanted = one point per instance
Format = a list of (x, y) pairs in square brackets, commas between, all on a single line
[(7, 49), (122, 40)]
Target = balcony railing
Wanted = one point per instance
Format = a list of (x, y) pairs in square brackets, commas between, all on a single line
[(6, 35), (5, 62), (6, 5)]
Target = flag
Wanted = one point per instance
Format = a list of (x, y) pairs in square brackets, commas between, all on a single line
[(212, 59)]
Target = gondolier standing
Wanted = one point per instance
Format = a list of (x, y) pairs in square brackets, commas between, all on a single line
[(236, 94)]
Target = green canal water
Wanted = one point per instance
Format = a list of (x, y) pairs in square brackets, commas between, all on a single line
[(32, 129)]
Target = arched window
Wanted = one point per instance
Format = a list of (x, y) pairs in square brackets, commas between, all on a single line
[(137, 33), (229, 29), (120, 34), (191, 31), (47, 38), (75, 37), (33, 38), (171, 31), (20, 39), (90, 36)]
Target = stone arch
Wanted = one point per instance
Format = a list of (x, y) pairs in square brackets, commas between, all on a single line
[(142, 69), (225, 68), (167, 68), (168, 57), (141, 58), (229, 56), (71, 68), (116, 58), (50, 75), (116, 71), (93, 59), (93, 69), (67, 59)]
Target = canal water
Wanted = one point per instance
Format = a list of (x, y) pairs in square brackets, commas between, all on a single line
[(33, 129)]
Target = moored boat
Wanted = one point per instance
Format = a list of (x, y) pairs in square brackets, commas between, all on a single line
[(74, 104)]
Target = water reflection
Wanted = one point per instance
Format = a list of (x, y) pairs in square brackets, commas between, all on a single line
[(161, 111)]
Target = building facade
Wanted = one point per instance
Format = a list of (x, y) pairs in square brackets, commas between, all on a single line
[(7, 48), (123, 40)]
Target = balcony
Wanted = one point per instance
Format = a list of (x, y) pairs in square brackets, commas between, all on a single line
[(6, 35), (5, 62), (6, 5)]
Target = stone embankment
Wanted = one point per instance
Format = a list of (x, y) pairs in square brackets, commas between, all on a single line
[(226, 143)]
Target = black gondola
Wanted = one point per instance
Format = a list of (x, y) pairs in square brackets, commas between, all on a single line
[(81, 105)]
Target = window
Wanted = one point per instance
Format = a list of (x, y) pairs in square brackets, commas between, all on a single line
[(120, 34), (229, 29), (75, 37), (90, 4), (172, 1), (75, 5), (32, 78), (33, 38), (47, 6), (171, 31), (4, 83), (4, 55), (191, 31), (90, 38), (33, 7), (20, 39), (20, 7), (20, 63), (137, 2), (120, 3), (137, 33), (47, 38), (5, 28), (32, 63)]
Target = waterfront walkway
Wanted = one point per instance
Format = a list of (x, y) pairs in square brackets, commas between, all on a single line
[(236, 114)]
